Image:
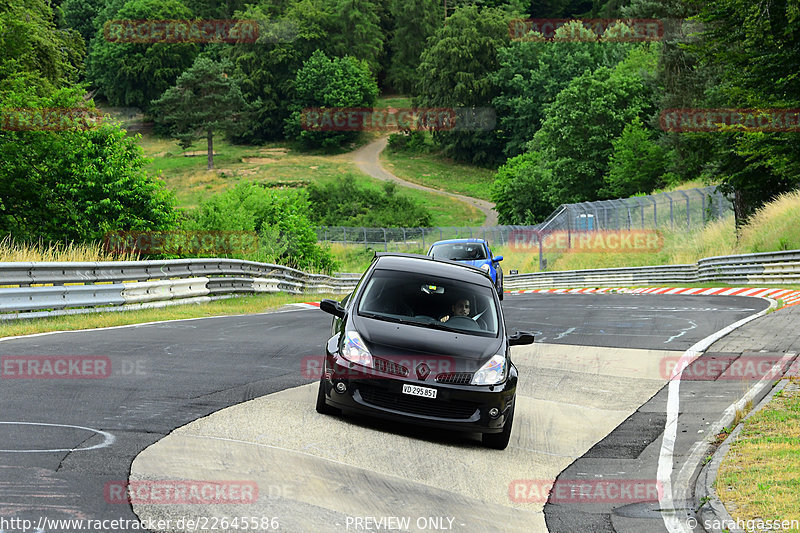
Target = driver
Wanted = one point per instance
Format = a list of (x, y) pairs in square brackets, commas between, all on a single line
[(459, 308)]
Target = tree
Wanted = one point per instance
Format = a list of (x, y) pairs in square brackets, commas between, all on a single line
[(637, 164), (576, 138), (756, 45), (455, 71), (204, 100), (134, 74), (75, 184), (415, 22), (32, 47), (80, 14), (520, 190), (357, 31), (532, 72), (325, 83), (268, 68)]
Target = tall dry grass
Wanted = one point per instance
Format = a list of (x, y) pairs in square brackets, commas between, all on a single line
[(774, 227), (11, 251)]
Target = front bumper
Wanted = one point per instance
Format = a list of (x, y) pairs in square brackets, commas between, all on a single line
[(456, 407)]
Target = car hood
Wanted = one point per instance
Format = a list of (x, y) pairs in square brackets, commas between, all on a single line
[(393, 340), (476, 263)]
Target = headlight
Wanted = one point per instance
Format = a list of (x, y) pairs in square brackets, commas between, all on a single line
[(354, 350), (485, 267), (491, 373)]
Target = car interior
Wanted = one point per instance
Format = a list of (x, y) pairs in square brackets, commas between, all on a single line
[(430, 302)]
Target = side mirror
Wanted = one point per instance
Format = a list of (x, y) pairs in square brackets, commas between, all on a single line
[(497, 259), (332, 307), (519, 338)]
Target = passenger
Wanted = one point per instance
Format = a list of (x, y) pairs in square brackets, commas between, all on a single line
[(459, 308)]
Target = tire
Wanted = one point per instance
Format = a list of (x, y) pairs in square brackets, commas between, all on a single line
[(499, 441), (322, 407)]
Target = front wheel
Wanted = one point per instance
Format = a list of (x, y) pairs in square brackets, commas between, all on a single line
[(499, 441), (322, 407)]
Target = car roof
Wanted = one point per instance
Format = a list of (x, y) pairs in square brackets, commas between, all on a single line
[(453, 241), (425, 264)]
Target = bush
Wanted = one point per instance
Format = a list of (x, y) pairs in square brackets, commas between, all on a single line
[(415, 142), (76, 184), (344, 203), (281, 220)]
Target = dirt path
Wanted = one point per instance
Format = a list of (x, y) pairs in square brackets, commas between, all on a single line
[(367, 159)]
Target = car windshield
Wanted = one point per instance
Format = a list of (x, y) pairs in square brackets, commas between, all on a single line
[(430, 301), (459, 251)]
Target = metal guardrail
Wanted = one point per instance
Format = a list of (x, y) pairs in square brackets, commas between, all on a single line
[(41, 289), (775, 268)]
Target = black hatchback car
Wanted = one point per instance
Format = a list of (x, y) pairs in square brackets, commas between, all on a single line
[(422, 341)]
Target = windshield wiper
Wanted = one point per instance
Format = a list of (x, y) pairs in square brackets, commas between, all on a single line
[(388, 318)]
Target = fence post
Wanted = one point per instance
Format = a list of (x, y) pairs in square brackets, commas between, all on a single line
[(641, 211), (385, 241), (404, 238), (422, 230), (365, 238), (655, 212), (671, 217)]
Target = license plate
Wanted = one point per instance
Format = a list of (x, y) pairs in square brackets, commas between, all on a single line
[(414, 390)]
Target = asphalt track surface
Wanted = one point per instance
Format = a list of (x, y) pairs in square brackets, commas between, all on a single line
[(592, 390)]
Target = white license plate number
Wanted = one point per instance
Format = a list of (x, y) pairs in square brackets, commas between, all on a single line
[(414, 390)]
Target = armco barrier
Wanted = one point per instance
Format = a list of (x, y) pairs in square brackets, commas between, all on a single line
[(38, 289), (748, 269), (47, 288)]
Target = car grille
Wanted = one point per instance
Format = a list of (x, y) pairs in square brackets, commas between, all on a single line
[(415, 405), (454, 378), (389, 367)]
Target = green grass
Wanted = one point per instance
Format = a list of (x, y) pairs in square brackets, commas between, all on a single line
[(439, 172), (760, 476), (393, 101), (258, 303), (276, 165)]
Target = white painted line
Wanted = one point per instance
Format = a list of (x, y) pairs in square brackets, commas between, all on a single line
[(108, 438), (666, 456)]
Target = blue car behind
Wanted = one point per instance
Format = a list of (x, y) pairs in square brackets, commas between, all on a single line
[(475, 252)]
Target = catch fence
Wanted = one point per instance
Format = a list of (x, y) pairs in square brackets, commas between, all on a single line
[(676, 210)]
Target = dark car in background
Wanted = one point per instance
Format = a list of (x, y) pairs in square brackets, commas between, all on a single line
[(474, 252), (399, 352)]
